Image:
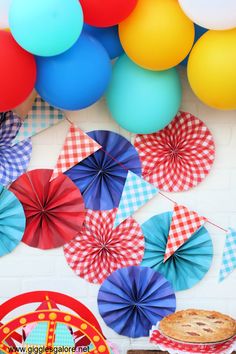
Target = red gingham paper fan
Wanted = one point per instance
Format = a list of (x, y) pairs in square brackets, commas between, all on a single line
[(98, 250), (178, 157)]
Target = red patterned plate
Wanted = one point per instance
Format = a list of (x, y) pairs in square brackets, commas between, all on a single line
[(165, 343)]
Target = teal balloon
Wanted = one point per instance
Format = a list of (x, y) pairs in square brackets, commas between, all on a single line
[(46, 27), (143, 101)]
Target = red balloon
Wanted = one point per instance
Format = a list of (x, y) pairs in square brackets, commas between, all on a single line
[(17, 72), (106, 13)]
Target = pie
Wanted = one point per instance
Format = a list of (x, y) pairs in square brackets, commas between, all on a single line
[(198, 326)]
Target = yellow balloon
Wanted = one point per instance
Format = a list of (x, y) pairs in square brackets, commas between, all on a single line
[(157, 35), (212, 69)]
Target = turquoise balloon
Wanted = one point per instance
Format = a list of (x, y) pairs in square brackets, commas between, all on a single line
[(143, 101), (46, 27)]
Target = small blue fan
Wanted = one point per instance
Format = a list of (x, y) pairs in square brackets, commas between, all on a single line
[(12, 221), (188, 265)]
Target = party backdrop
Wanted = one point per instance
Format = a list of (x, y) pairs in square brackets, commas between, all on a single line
[(213, 198)]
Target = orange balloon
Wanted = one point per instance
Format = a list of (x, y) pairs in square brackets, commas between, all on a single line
[(157, 35)]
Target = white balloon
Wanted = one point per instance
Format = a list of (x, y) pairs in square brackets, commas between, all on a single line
[(4, 11), (211, 14)]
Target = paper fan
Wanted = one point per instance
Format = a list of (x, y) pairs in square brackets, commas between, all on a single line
[(54, 210), (12, 221), (101, 177), (133, 299), (15, 159), (41, 117), (98, 250), (188, 265), (178, 157)]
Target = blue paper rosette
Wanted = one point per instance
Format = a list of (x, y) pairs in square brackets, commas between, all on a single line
[(12, 221), (101, 176), (188, 265), (133, 299)]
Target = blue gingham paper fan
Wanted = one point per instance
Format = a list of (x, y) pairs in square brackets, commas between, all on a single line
[(14, 159)]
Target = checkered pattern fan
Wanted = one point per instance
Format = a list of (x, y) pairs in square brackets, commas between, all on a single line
[(77, 147), (229, 255), (184, 224), (178, 157), (98, 250), (14, 159)]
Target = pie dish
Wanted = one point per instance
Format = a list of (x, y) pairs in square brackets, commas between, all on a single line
[(198, 326)]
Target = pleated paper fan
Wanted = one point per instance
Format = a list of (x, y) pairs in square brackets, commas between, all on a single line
[(133, 299), (12, 221), (98, 249), (101, 176), (190, 262), (14, 159), (178, 157), (54, 210)]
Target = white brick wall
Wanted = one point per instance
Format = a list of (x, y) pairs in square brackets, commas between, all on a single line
[(28, 269)]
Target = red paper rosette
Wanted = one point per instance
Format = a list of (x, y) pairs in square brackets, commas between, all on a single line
[(98, 250), (54, 210), (178, 157)]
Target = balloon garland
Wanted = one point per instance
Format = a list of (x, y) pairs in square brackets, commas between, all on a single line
[(74, 41)]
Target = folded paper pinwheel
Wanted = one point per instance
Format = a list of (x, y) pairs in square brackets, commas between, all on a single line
[(178, 157), (98, 250), (133, 299), (101, 177), (54, 210), (188, 265), (14, 159), (12, 221)]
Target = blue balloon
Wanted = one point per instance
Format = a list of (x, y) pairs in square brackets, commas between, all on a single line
[(108, 37), (199, 31), (77, 78)]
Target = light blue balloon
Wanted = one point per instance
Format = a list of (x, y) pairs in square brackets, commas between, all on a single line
[(46, 27), (77, 78), (143, 101)]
